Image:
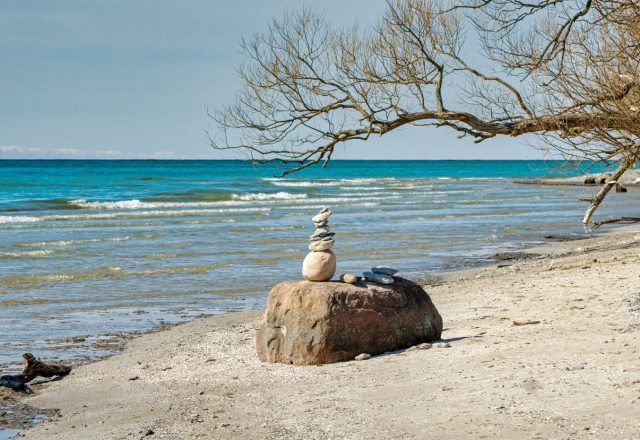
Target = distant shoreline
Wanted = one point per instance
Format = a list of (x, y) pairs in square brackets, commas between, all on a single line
[(249, 161)]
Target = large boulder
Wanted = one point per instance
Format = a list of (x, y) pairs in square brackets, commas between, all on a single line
[(309, 323)]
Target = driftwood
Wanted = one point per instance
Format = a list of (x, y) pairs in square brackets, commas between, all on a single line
[(616, 220), (34, 368)]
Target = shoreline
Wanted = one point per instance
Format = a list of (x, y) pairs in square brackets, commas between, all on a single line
[(27, 417), (574, 374), (115, 341), (20, 416)]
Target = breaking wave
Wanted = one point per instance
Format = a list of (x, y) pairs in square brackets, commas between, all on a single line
[(26, 254), (268, 196), (327, 182), (18, 219), (129, 214)]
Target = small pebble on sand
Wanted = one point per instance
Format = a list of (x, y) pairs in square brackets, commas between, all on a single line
[(363, 357), (442, 345)]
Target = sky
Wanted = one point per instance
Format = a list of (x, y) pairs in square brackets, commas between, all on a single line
[(134, 78)]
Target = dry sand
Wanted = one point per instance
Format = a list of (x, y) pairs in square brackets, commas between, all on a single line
[(572, 371)]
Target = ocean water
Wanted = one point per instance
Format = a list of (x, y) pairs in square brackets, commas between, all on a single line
[(91, 249)]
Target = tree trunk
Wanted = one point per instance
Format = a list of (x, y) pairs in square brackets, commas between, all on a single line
[(613, 180)]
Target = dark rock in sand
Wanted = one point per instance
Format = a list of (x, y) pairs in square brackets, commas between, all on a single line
[(507, 256), (16, 383), (566, 237), (308, 323)]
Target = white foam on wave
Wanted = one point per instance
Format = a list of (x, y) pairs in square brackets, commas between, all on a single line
[(23, 254), (268, 196), (472, 178), (142, 214), (328, 182), (18, 219), (121, 204), (137, 204), (154, 213), (322, 205), (361, 188), (72, 242)]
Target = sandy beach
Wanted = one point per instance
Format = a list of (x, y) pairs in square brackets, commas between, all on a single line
[(541, 347)]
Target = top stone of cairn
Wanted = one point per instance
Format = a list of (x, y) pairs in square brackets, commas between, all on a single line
[(322, 217)]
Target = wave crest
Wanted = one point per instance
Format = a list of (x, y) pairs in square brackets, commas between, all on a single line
[(268, 196)]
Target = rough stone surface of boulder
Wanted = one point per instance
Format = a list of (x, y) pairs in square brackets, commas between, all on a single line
[(309, 323)]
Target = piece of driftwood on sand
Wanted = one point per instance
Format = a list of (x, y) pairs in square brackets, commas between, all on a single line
[(34, 368)]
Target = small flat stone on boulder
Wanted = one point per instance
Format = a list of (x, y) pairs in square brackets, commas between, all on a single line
[(307, 323), (384, 270), (348, 278), (378, 278)]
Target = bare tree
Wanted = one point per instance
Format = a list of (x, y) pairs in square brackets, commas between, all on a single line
[(566, 70)]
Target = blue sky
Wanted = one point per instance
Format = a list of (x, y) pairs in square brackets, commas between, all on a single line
[(133, 79)]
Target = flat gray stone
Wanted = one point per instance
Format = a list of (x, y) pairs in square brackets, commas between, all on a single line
[(384, 270), (378, 278), (363, 357), (324, 236), (320, 232)]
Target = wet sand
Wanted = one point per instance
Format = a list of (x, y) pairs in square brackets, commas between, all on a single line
[(545, 346)]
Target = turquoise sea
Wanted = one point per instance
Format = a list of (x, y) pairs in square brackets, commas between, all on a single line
[(92, 249)]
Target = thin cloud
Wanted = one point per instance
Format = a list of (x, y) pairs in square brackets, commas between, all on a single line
[(17, 152)]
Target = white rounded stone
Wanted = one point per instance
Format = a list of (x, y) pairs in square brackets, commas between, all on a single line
[(322, 217), (319, 266)]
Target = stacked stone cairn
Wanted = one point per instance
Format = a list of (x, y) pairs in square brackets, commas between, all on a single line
[(320, 263)]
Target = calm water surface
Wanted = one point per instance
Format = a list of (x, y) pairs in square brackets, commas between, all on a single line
[(90, 249)]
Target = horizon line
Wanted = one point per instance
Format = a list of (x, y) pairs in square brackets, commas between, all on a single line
[(50, 159)]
